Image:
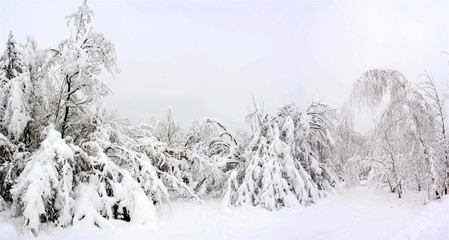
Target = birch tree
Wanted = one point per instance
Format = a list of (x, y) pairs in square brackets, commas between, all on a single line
[(75, 66), (408, 116)]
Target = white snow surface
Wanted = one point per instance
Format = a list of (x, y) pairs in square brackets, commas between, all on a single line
[(356, 214)]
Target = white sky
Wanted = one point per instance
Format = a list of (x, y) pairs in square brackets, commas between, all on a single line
[(204, 58)]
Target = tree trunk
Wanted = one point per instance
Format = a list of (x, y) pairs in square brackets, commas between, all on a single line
[(399, 190), (391, 187), (67, 109)]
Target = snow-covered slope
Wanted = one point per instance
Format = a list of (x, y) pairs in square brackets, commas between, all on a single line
[(356, 214)]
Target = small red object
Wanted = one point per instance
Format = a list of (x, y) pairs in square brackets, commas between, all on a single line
[(445, 191)]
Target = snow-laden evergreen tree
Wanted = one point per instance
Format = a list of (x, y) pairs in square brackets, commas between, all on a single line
[(25, 114), (11, 66), (15, 108), (11, 61), (16, 95), (284, 164)]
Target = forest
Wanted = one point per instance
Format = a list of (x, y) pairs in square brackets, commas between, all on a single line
[(66, 160)]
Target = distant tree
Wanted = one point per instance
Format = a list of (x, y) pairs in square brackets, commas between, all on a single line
[(168, 130)]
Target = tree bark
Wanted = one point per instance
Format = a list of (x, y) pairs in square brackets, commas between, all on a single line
[(66, 113)]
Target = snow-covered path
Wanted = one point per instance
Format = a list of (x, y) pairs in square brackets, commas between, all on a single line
[(357, 214)]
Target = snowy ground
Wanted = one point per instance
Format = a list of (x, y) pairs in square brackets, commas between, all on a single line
[(356, 214)]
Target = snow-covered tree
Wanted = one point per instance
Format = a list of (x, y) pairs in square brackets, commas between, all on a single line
[(284, 163), (311, 141), (84, 171), (348, 144), (406, 128), (63, 184), (168, 130), (107, 190), (438, 102), (17, 103), (209, 148), (211, 138), (43, 190), (129, 147), (170, 164), (39, 95), (11, 66), (11, 61), (12, 161), (264, 182), (75, 66), (15, 106), (390, 165)]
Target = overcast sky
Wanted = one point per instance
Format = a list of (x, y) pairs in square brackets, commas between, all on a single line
[(205, 58)]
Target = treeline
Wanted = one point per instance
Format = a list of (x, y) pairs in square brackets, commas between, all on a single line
[(64, 160)]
